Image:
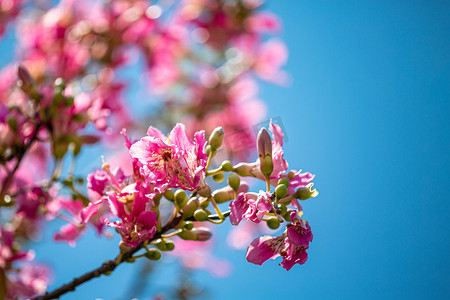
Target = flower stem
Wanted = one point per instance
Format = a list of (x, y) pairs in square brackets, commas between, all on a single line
[(216, 207)]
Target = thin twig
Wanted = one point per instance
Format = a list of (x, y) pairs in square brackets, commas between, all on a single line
[(106, 267)]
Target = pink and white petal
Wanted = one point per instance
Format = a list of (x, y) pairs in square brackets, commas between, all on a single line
[(264, 248)]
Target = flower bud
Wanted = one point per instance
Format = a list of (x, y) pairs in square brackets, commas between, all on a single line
[(162, 245), (190, 207), (153, 254), (196, 234), (218, 177), (245, 169), (306, 192), (26, 82), (188, 225), (281, 191), (181, 198), (223, 195), (216, 138), (226, 166), (291, 175), (264, 144), (200, 215), (205, 192), (168, 194), (273, 223), (234, 181), (283, 181), (170, 245)]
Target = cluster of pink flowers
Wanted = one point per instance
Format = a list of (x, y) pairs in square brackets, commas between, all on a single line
[(201, 58)]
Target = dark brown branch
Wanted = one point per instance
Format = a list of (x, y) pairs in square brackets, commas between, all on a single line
[(107, 267)]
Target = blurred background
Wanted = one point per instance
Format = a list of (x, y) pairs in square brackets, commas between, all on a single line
[(367, 110)]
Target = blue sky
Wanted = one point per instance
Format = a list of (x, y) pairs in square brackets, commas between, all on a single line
[(368, 113)]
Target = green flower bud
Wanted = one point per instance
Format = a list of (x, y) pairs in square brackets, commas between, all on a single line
[(226, 166), (218, 177), (291, 175), (200, 215), (153, 254), (196, 234), (168, 194), (170, 245), (223, 195), (188, 225), (181, 198), (273, 223), (283, 181), (306, 192), (216, 138), (264, 144), (245, 169), (234, 181), (281, 191), (190, 207), (162, 245)]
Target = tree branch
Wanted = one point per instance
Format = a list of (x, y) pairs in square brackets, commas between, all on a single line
[(106, 267)]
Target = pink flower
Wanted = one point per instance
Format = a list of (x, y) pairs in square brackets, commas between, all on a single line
[(137, 224), (171, 162), (30, 281), (250, 206), (292, 245), (9, 251)]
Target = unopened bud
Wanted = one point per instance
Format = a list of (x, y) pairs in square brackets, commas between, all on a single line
[(284, 181), (234, 181), (205, 192), (218, 177), (245, 169), (226, 166), (216, 138), (224, 194), (196, 234), (264, 144), (188, 225), (281, 191), (190, 207), (273, 223), (170, 245), (168, 194), (306, 192), (181, 198), (291, 175), (26, 82), (153, 254), (200, 215)]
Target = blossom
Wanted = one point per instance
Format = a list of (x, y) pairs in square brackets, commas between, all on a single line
[(250, 206), (30, 281), (292, 245), (131, 205), (173, 161)]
